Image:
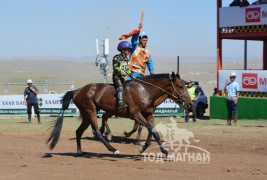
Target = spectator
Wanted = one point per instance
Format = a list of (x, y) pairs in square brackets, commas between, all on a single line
[(232, 91), (259, 2), (235, 3), (215, 93), (194, 94), (244, 3), (30, 99)]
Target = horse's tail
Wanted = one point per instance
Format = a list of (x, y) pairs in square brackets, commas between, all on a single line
[(57, 124)]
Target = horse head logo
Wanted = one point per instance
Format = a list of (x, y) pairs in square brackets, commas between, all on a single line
[(174, 136)]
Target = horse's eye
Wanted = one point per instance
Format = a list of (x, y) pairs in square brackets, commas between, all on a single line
[(181, 87)]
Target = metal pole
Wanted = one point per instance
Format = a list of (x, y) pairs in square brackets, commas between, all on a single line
[(178, 62), (245, 56)]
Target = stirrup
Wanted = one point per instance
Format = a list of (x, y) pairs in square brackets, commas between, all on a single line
[(121, 105)]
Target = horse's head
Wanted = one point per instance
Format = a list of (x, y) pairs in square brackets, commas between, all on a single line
[(179, 89)]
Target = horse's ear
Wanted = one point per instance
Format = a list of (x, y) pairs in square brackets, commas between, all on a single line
[(178, 75), (173, 75)]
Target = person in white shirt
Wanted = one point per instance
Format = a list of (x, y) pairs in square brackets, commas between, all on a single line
[(232, 91)]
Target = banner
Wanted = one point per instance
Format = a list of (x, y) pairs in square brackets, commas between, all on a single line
[(49, 104), (167, 108), (243, 16), (248, 80)]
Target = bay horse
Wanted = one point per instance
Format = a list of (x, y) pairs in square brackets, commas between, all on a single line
[(141, 99)]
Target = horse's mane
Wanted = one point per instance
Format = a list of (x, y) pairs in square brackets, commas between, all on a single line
[(154, 76)]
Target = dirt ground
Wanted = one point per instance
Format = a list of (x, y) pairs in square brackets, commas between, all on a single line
[(236, 152)]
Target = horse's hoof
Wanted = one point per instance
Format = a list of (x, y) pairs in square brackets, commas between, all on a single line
[(117, 152), (137, 142), (124, 135), (80, 153), (141, 149), (170, 156), (109, 137)]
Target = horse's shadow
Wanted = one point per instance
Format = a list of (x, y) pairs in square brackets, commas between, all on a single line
[(102, 156), (115, 139)]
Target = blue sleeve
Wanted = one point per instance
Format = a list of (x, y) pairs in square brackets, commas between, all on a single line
[(26, 92), (35, 88), (150, 65), (134, 41)]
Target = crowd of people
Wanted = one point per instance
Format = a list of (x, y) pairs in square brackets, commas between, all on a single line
[(244, 3)]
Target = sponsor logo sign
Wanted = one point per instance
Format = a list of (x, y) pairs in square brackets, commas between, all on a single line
[(236, 16), (250, 81), (253, 15)]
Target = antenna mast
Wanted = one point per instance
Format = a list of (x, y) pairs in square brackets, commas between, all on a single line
[(102, 59)]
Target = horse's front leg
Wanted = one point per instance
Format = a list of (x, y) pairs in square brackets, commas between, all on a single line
[(150, 125)]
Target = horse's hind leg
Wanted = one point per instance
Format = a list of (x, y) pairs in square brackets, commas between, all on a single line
[(105, 125), (135, 127), (94, 124), (138, 136), (85, 124)]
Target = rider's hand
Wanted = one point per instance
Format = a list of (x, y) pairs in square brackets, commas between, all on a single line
[(235, 101), (140, 25), (123, 74), (132, 76), (226, 82)]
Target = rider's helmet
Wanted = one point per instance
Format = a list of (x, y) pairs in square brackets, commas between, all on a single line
[(143, 35), (124, 45)]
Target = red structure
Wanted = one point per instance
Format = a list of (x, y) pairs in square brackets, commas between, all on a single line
[(254, 27)]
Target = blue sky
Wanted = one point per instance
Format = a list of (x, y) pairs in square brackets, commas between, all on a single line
[(68, 28)]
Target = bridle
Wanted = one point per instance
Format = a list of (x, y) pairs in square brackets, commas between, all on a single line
[(179, 97)]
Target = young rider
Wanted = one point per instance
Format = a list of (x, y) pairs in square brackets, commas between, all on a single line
[(121, 70), (140, 56)]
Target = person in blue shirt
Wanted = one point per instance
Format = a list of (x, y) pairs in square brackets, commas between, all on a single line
[(232, 91), (30, 100)]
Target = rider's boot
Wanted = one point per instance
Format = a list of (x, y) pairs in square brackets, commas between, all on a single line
[(120, 102)]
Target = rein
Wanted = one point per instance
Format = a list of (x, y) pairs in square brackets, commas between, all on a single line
[(179, 95)]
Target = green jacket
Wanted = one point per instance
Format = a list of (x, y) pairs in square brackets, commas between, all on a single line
[(120, 65)]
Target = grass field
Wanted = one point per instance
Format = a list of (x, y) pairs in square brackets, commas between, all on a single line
[(245, 128)]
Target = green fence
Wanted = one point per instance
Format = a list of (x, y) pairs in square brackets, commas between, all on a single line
[(248, 108)]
